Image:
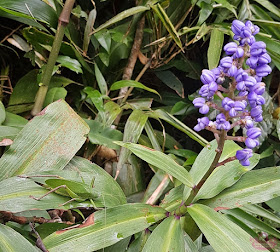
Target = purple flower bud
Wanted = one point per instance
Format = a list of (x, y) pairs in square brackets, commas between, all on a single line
[(204, 109), (251, 143), (259, 88), (257, 48), (199, 102), (240, 105), (243, 156), (263, 70), (239, 53), (252, 62), (245, 32), (221, 122), (249, 40), (227, 103), (256, 30), (237, 26), (258, 118), (264, 59), (256, 113), (249, 122), (241, 86), (254, 132), (243, 93), (207, 76), (230, 48), (226, 62), (201, 123), (240, 75), (232, 71), (250, 81), (258, 78), (216, 71)]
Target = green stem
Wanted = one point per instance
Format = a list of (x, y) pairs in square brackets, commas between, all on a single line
[(183, 208), (47, 73)]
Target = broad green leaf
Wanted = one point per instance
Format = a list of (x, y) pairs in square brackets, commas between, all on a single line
[(33, 9), (100, 80), (269, 6), (274, 204), (226, 4), (244, 11), (88, 29), (161, 114), (173, 198), (205, 11), (222, 234), (131, 83), (121, 16), (10, 241), (112, 110), (161, 161), (260, 211), (223, 176), (252, 221), (167, 237), (169, 79), (120, 246), (215, 48), (14, 120), (2, 113), (48, 141), (8, 132), (105, 227), (104, 39), (103, 135), (55, 94), (132, 131), (72, 64), (167, 23), (254, 187), (139, 242), (189, 244), (203, 30)]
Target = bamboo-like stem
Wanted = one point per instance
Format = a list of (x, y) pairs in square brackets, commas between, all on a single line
[(47, 73)]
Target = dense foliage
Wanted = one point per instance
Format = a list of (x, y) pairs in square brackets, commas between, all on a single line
[(99, 115)]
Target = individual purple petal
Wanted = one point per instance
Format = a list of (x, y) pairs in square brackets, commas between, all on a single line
[(263, 70), (207, 76), (254, 132), (237, 26)]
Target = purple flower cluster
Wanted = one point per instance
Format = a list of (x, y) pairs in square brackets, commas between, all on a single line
[(242, 98)]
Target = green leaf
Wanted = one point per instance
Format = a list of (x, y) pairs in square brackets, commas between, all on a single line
[(102, 135), (88, 29), (269, 6), (131, 83), (167, 23), (205, 12), (105, 228), (170, 79), (222, 234), (178, 124), (55, 94), (100, 80), (48, 141), (167, 237), (121, 16), (244, 11), (173, 198), (2, 113), (132, 131), (215, 48), (10, 240), (161, 161), (252, 221), (104, 39), (14, 120), (33, 9), (227, 5), (223, 176), (274, 204), (7, 132), (254, 187), (72, 64)]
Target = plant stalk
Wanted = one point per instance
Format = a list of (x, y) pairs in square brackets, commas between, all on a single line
[(47, 73)]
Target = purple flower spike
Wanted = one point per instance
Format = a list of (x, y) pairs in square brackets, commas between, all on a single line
[(243, 156), (263, 70), (251, 143), (254, 132), (201, 123), (207, 76), (258, 48), (237, 26), (226, 62)]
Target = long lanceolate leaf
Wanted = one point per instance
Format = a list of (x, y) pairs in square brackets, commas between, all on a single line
[(254, 187), (222, 234), (48, 141), (104, 228), (161, 161), (10, 240)]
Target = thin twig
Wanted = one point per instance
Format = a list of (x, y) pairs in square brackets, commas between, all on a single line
[(155, 194)]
